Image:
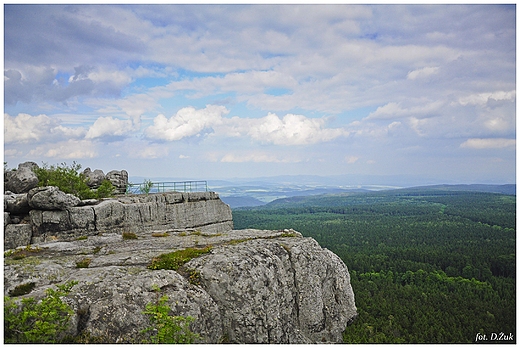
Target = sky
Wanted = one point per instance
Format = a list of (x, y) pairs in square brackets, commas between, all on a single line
[(236, 91)]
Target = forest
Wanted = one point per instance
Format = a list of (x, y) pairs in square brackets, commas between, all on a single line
[(426, 266)]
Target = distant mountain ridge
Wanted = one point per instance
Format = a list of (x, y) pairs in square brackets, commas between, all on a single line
[(507, 189), (339, 199)]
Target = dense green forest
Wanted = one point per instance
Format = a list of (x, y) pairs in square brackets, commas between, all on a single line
[(426, 266)]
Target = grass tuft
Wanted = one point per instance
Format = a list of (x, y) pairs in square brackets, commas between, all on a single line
[(176, 259)]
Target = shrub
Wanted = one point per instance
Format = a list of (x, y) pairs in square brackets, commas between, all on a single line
[(146, 186), (168, 328), (69, 180), (176, 259), (106, 189), (37, 321)]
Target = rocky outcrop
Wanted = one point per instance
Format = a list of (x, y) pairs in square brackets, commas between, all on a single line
[(59, 216), (252, 287), (51, 198), (21, 180), (94, 178), (16, 203), (118, 178)]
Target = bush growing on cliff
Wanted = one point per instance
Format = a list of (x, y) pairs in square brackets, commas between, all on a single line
[(168, 328), (69, 180), (37, 321)]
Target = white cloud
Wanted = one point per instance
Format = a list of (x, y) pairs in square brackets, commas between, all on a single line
[(185, 123), (397, 110), (292, 130), (108, 126), (483, 98), (490, 143), (422, 73), (25, 128), (71, 149), (289, 130)]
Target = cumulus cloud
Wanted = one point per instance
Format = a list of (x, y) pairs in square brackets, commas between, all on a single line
[(289, 130), (108, 126), (25, 128), (186, 122), (292, 130), (490, 143)]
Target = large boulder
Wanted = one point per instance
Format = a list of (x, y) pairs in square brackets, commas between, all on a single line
[(21, 180), (51, 198), (252, 287), (16, 203), (119, 179), (94, 178)]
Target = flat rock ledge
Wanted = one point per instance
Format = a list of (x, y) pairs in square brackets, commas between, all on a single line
[(254, 286)]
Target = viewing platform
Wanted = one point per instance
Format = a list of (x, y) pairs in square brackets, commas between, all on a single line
[(167, 186)]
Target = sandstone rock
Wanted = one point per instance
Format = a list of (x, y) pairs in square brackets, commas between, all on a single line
[(139, 214), (119, 179), (65, 225), (286, 290), (51, 198), (94, 178), (253, 287), (16, 203), (17, 234), (21, 180)]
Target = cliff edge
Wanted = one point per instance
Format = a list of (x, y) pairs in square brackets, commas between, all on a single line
[(243, 286), (253, 286)]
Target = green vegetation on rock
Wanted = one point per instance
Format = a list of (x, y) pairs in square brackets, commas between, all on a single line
[(167, 328), (176, 259), (68, 179), (32, 321)]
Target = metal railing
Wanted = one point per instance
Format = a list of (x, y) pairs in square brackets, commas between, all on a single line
[(164, 186)]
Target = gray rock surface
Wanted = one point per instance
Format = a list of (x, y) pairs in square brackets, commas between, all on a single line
[(138, 214), (94, 178), (118, 178), (21, 180), (16, 203), (253, 287), (51, 198), (17, 234)]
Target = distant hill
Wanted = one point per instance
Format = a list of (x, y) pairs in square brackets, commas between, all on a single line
[(508, 189), (349, 198)]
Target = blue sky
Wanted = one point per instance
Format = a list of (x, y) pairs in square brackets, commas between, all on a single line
[(214, 91)]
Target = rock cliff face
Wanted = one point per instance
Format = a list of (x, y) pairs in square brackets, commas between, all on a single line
[(252, 287), (53, 215)]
